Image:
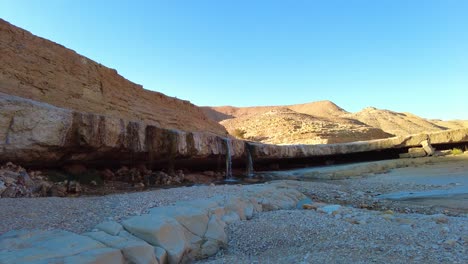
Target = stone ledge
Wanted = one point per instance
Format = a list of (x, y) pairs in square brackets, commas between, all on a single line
[(171, 234), (35, 132)]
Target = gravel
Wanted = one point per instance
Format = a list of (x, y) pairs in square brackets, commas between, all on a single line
[(81, 214), (352, 236)]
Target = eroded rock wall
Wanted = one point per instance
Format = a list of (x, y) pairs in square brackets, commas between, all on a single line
[(34, 132), (38, 133)]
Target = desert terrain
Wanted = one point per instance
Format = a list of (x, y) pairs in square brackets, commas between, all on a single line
[(321, 122), (357, 218), (96, 169)]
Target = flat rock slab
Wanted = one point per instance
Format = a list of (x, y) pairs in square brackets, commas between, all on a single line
[(135, 251), (55, 245), (169, 234)]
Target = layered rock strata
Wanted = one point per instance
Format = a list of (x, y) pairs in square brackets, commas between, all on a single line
[(37, 133), (34, 132)]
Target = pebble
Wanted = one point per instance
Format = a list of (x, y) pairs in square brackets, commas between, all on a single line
[(298, 233), (329, 209)]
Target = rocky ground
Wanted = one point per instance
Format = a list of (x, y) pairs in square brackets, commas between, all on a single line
[(349, 223), (345, 220), (75, 180), (347, 235)]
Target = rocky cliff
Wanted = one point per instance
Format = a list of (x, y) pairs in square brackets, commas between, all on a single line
[(37, 133), (38, 69), (33, 132)]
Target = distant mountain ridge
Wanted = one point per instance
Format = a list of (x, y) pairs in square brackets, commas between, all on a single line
[(320, 122)]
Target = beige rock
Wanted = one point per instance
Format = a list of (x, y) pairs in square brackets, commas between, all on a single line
[(193, 219), (417, 152), (161, 231), (110, 227), (95, 256), (309, 207), (428, 148), (161, 255), (30, 246), (134, 251)]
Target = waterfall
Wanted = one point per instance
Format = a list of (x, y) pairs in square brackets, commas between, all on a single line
[(249, 170), (227, 141)]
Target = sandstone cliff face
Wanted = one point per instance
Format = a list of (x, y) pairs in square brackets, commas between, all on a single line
[(37, 133), (38, 69)]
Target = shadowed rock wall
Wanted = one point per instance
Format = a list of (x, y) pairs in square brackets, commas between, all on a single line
[(37, 133)]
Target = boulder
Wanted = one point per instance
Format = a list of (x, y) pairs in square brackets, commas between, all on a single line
[(110, 227), (161, 255), (416, 152), (329, 209), (193, 219), (161, 231), (134, 251), (428, 148), (94, 256), (216, 231)]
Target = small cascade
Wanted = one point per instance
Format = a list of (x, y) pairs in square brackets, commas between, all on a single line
[(227, 141), (249, 168)]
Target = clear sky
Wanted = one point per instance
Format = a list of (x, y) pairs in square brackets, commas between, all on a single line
[(406, 56)]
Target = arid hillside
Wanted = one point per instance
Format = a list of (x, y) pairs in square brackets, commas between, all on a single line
[(285, 126), (394, 122), (321, 122), (39, 69), (451, 124), (320, 108)]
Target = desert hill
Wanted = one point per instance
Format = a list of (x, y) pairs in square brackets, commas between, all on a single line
[(41, 70), (451, 124), (285, 126), (393, 122), (320, 108), (321, 122)]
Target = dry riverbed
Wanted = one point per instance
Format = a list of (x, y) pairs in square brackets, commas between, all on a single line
[(348, 221), (365, 228)]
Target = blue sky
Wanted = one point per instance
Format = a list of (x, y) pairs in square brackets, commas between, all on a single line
[(407, 56)]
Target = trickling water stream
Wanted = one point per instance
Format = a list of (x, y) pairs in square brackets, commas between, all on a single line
[(249, 170), (228, 159)]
